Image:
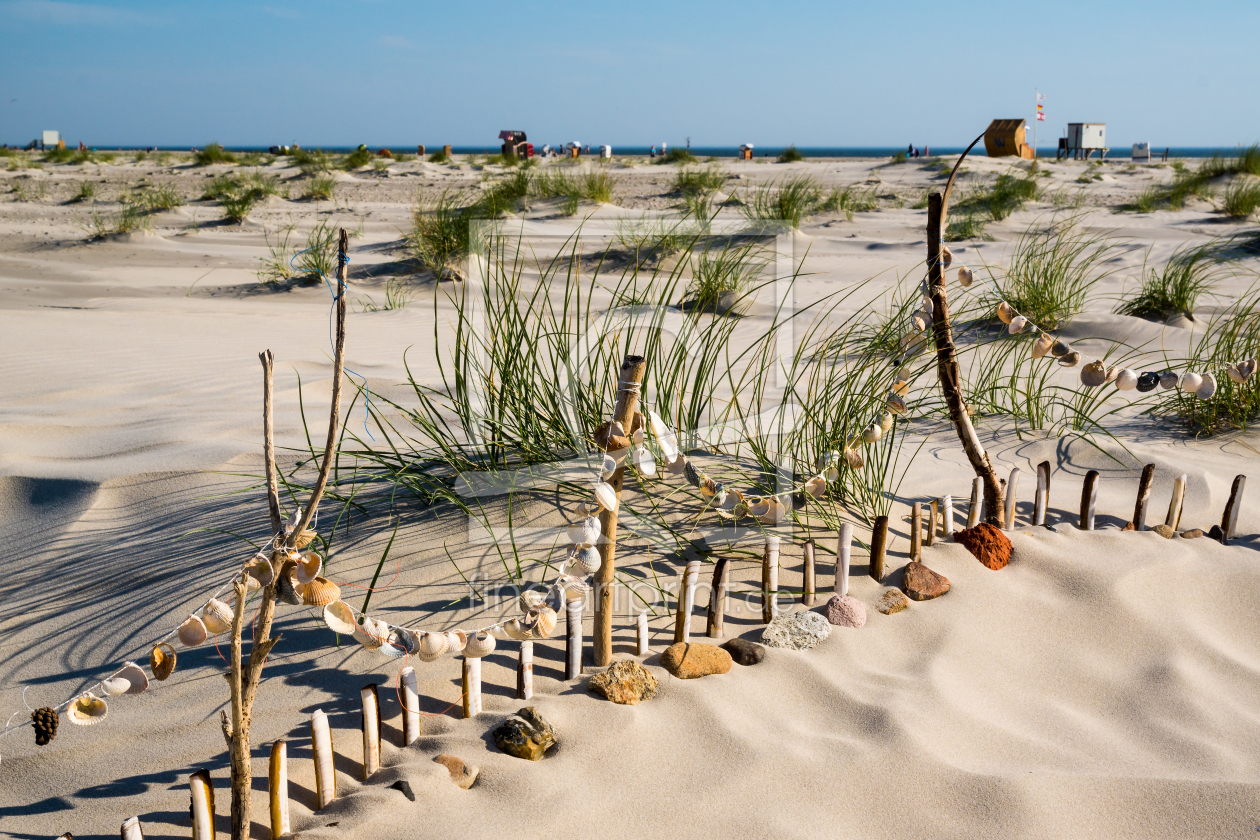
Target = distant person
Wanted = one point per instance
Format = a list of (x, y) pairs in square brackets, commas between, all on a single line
[(652, 153), (910, 150)]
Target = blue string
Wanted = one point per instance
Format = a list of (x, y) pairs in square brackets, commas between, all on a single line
[(343, 259)]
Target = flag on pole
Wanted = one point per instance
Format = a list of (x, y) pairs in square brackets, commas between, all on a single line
[(1041, 97), (1041, 117)]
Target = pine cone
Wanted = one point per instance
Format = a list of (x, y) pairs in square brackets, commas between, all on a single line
[(45, 721)]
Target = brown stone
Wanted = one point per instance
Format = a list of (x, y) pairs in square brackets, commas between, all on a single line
[(892, 601), (691, 661), (923, 584), (1192, 534), (625, 682), (527, 736), (1164, 531), (1129, 526), (462, 774), (989, 545)]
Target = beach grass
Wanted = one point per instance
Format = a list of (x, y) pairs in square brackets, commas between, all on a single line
[(693, 180), (213, 153), (724, 268), (1052, 272), (966, 226), (677, 155), (1007, 194), (357, 159), (790, 155), (312, 161), (439, 156), (276, 266), (1176, 287), (789, 200), (439, 233), (1242, 197), (320, 188), (849, 200), (85, 192)]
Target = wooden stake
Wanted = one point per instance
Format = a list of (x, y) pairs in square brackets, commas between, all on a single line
[(879, 537), (716, 624), (1043, 493), (933, 515), (525, 671), (808, 596), (1229, 520), (573, 639), (1175, 504), (371, 726), (946, 358), (770, 580), (630, 378), (916, 531), (977, 502), (947, 517), (131, 829), (641, 626), (687, 603), (1011, 489), (1089, 496), (202, 791), (411, 706), (844, 546), (278, 789), (472, 686), (325, 769), (1143, 496)]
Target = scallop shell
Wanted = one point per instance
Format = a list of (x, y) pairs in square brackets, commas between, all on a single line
[(895, 404), (320, 592), (965, 276), (1126, 380), (307, 568), (1168, 380), (854, 458), (217, 616), (1147, 382), (585, 558), (1071, 359), (340, 618), (371, 633), (192, 632), (162, 661), (543, 622), (1093, 375), (433, 646), (774, 513), (1017, 324), (816, 487), (134, 676), (606, 496), (478, 645), (1191, 382), (456, 640), (692, 474), (1207, 388), (1060, 349), (642, 458), (304, 539), (530, 600), (1042, 346), (676, 465), (1005, 312), (886, 421), (87, 710), (261, 570), (585, 532)]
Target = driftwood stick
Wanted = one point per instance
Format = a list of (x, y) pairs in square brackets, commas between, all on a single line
[(947, 516), (630, 378), (1011, 490), (573, 638), (977, 502), (1143, 497), (686, 603), (1089, 497), (1043, 493), (770, 580), (1229, 519), (916, 531), (641, 626), (934, 513), (844, 548), (809, 575), (269, 443), (525, 672), (1175, 504), (716, 624), (879, 538)]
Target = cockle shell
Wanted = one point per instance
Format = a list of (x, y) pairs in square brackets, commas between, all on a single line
[(192, 632), (692, 474), (816, 487), (399, 641), (872, 433), (1126, 380), (1168, 380), (1147, 382), (433, 646), (895, 404), (320, 592), (1207, 388), (479, 645), (774, 512), (217, 616), (901, 387), (1071, 359), (886, 421), (162, 661), (586, 558), (340, 618), (642, 458), (854, 458), (920, 321), (677, 465), (727, 507), (585, 532), (606, 496), (1042, 346), (1093, 375), (304, 539), (307, 568), (542, 622), (531, 599), (87, 710), (133, 675), (516, 631), (456, 640), (1005, 312), (965, 276), (114, 686), (260, 569), (1191, 382), (371, 633), (1017, 324), (1060, 349)]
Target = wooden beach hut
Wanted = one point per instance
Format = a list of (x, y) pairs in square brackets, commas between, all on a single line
[(1004, 138)]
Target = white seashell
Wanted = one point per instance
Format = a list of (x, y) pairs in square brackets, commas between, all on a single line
[(260, 569), (433, 646), (585, 532), (643, 460), (816, 487), (926, 307), (586, 558), (886, 421), (479, 645), (455, 640), (1072, 359), (217, 616), (1042, 346), (87, 710), (499, 631), (115, 686), (340, 618), (1126, 380), (965, 276), (371, 633), (542, 622), (606, 496), (308, 568), (1246, 369), (192, 632), (677, 465), (775, 510), (919, 321), (1017, 324), (1191, 382), (397, 642), (896, 405), (1207, 388), (872, 433), (664, 437), (854, 458), (134, 676), (608, 468), (1235, 373)]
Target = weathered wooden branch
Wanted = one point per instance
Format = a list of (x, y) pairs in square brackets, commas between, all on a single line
[(809, 576), (269, 443), (1143, 497)]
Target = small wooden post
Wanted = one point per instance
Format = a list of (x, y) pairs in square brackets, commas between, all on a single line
[(1175, 504), (1043, 493), (687, 603), (844, 545), (977, 502), (879, 537), (934, 513), (947, 516), (916, 531), (1089, 496), (278, 788), (770, 580), (131, 829), (573, 639), (1011, 486), (411, 706), (472, 686), (808, 592), (525, 671), (1229, 520), (202, 791), (716, 624), (371, 725), (1143, 496), (642, 627), (325, 769)]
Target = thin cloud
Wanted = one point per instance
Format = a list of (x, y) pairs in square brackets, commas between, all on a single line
[(283, 14), (70, 14), (396, 42)]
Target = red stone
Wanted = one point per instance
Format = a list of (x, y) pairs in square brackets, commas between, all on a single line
[(923, 584), (987, 542)]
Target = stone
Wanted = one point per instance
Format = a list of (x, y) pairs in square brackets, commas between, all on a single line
[(796, 631), (1129, 526), (846, 611), (692, 661), (923, 584), (1192, 534), (526, 736), (404, 787), (989, 545), (745, 652), (892, 601), (1216, 533), (464, 775), (1164, 531), (626, 682)]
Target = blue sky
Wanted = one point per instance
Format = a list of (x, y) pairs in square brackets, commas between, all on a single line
[(814, 74)]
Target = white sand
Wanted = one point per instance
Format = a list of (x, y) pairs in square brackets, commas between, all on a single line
[(1102, 685)]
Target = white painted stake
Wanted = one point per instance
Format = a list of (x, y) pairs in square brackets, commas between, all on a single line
[(131, 829), (371, 725), (525, 672), (977, 502), (642, 626), (844, 543), (1011, 485), (947, 516), (689, 598), (325, 770), (411, 706), (1175, 504), (573, 639)]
